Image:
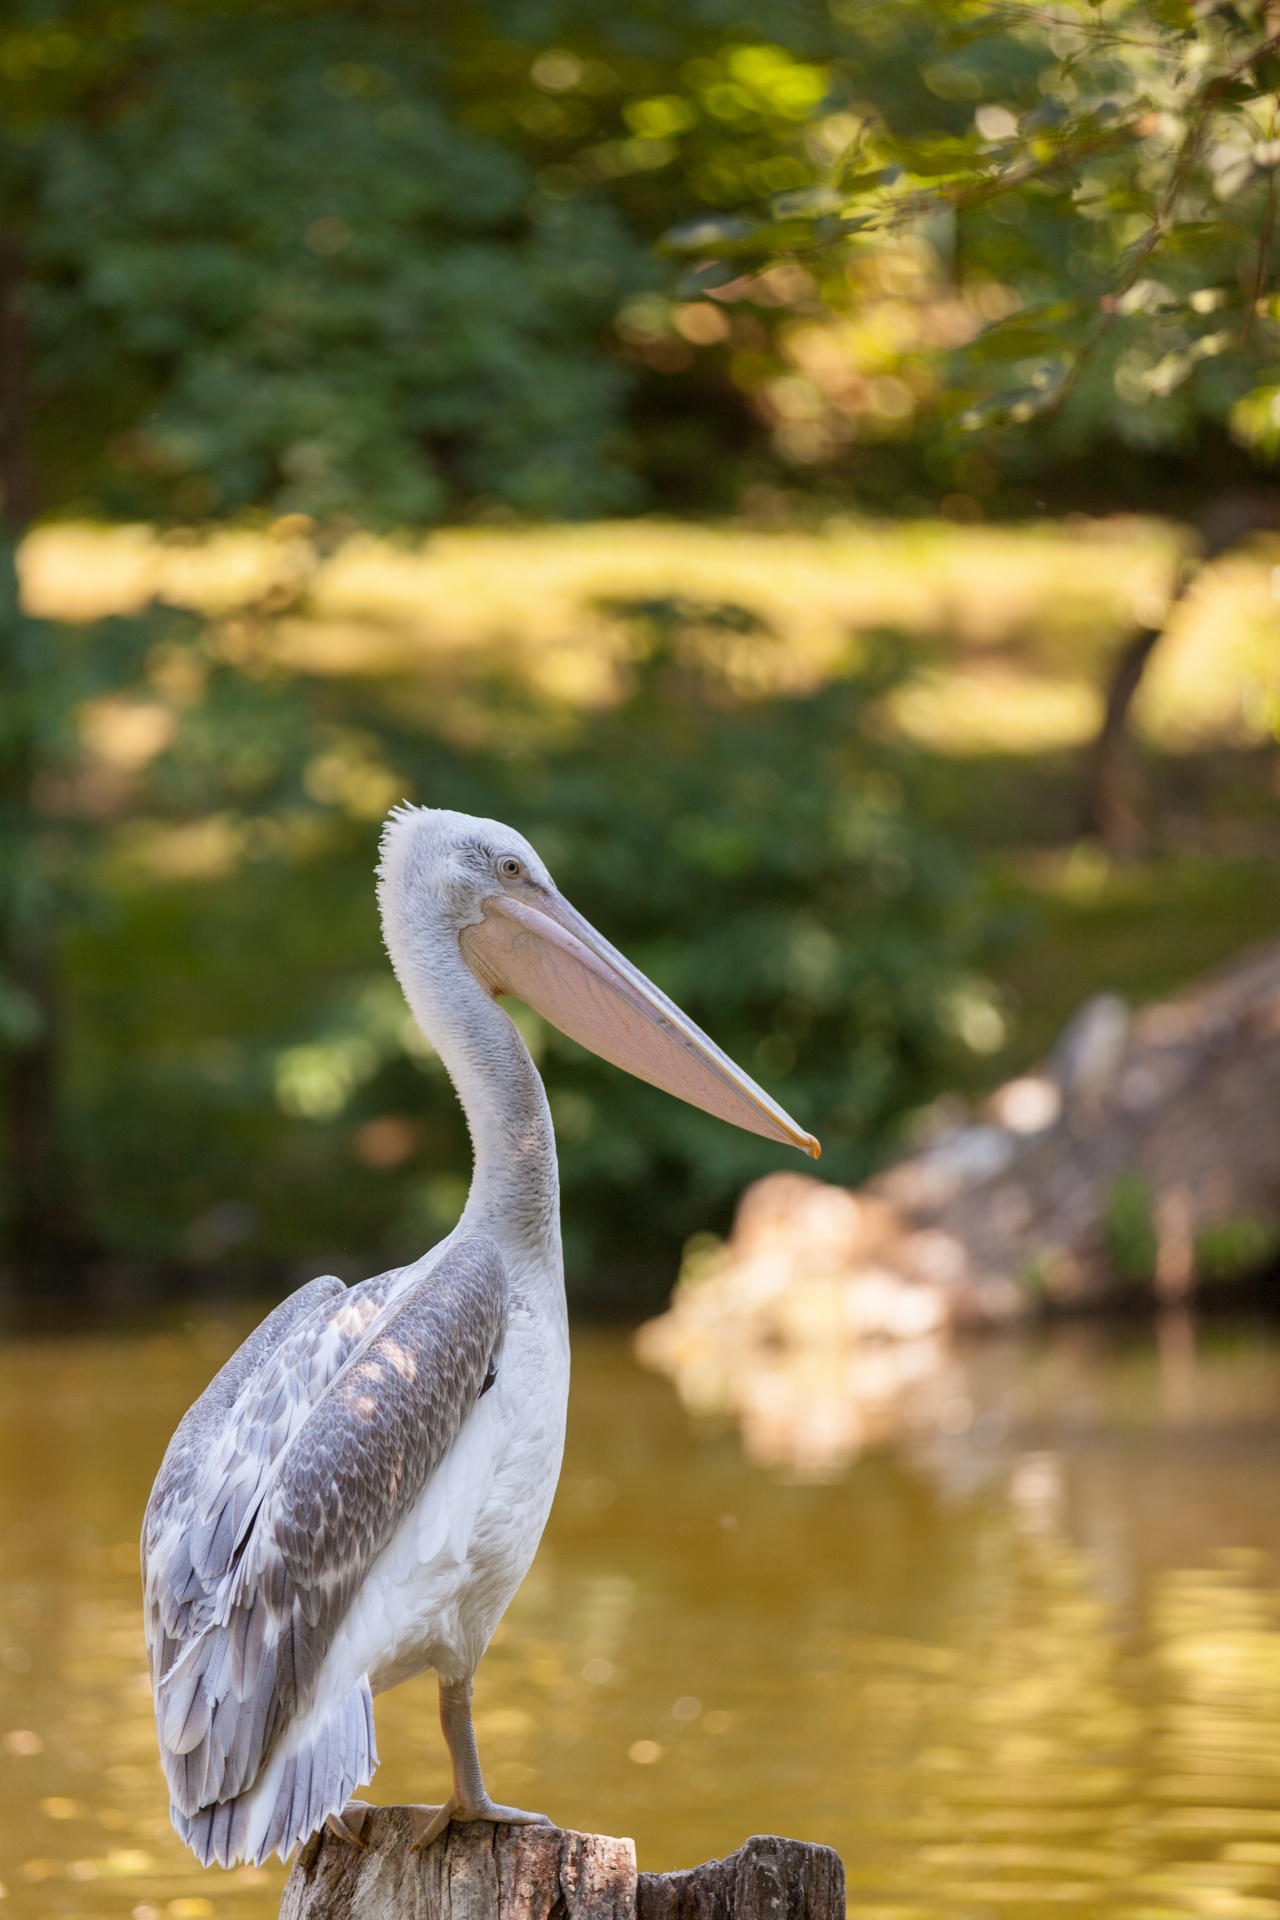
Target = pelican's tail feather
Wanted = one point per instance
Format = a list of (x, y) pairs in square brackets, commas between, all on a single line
[(313, 1773)]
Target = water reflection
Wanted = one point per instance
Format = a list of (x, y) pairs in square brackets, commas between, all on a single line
[(1025, 1660)]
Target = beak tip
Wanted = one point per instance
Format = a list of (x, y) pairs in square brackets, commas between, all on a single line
[(812, 1147)]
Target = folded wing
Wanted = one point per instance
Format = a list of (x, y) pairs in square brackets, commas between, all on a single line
[(171, 1585), (328, 1443)]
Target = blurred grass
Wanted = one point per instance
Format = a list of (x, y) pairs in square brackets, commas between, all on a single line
[(502, 670), (1045, 603), (1010, 633), (1013, 627), (1140, 931)]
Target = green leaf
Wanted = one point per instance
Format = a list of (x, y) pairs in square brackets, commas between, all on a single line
[(713, 233)]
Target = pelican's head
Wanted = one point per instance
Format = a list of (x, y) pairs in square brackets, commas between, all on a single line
[(443, 872)]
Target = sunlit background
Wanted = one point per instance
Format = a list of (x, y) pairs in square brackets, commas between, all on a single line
[(809, 467)]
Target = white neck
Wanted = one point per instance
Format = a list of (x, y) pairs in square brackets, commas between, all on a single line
[(515, 1183)]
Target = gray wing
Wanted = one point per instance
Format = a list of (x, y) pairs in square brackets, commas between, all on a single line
[(308, 1518), (189, 1543), (171, 1583)]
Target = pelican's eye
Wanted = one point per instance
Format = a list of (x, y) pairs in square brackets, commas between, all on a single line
[(510, 868)]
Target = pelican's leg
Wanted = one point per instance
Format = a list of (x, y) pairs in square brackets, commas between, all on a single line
[(469, 1799)]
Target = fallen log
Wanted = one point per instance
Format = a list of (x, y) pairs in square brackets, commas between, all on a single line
[(1141, 1160), (482, 1872)]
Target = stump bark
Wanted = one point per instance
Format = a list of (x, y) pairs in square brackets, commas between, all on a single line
[(766, 1879), (482, 1872)]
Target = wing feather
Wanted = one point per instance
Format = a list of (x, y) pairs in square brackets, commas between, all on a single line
[(317, 1492), (171, 1580), (266, 1416)]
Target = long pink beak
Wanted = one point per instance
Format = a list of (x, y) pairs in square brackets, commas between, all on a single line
[(547, 955)]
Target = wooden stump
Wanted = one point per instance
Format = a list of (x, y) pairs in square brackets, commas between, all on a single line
[(482, 1872), (766, 1879)]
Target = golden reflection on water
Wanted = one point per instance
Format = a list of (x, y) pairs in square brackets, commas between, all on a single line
[(1030, 1666)]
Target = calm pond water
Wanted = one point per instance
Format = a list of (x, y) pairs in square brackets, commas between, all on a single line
[(1025, 1667)]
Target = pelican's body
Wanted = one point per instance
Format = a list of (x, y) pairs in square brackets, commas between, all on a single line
[(437, 1590), (360, 1491)]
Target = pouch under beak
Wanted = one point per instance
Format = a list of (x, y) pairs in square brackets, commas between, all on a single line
[(547, 955)]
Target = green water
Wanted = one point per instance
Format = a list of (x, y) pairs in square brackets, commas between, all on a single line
[(1026, 1668)]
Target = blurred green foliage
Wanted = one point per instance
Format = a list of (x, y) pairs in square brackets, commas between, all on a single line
[(243, 1075), (1100, 174), (333, 259), (1235, 1247), (329, 258), (268, 267), (1130, 1227)]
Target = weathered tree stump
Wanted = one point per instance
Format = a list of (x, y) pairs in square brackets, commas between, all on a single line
[(482, 1872), (766, 1879)]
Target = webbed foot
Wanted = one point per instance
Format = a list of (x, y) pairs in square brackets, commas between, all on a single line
[(485, 1809), (349, 1824)]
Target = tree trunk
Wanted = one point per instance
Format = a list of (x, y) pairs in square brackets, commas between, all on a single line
[(47, 1241), (482, 1872), (17, 474), (48, 1244), (1111, 803)]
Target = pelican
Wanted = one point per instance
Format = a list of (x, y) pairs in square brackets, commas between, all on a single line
[(359, 1492)]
